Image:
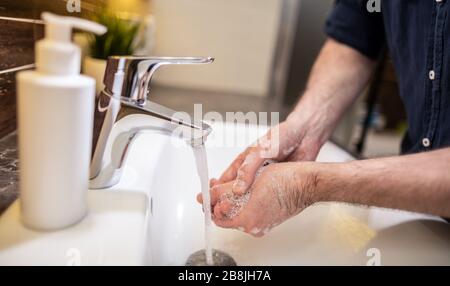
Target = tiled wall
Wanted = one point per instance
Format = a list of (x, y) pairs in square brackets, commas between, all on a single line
[(18, 33)]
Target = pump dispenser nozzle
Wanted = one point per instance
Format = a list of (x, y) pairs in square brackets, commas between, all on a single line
[(56, 54)]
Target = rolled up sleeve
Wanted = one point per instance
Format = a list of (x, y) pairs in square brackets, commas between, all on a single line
[(351, 24)]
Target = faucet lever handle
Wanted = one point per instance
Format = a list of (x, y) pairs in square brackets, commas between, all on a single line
[(132, 75)]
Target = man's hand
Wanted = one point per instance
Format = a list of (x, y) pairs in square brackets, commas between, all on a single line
[(284, 142), (418, 183), (339, 75), (279, 192)]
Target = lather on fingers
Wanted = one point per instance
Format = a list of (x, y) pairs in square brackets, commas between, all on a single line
[(247, 171), (216, 192)]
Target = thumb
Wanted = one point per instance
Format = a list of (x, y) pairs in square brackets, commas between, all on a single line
[(247, 172)]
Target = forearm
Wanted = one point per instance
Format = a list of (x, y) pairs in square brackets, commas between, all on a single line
[(339, 75), (419, 183)]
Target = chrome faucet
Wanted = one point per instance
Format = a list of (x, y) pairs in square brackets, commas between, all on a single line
[(123, 110)]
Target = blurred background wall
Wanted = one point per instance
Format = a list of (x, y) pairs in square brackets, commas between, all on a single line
[(240, 34), (264, 51)]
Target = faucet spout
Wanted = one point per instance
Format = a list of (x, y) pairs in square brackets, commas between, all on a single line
[(123, 111), (138, 72)]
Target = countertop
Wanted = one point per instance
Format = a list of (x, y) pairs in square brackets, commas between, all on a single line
[(324, 234), (9, 172), (118, 216), (111, 233)]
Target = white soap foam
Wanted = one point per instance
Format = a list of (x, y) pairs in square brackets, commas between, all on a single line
[(239, 202)]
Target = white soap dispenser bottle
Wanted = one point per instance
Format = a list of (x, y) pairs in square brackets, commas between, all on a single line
[(55, 121)]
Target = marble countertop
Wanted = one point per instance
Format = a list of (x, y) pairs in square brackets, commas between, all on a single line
[(9, 173)]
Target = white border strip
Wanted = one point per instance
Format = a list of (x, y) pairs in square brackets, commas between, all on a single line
[(25, 67), (23, 20)]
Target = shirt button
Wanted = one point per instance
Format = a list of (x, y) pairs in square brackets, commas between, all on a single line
[(426, 142), (431, 75)]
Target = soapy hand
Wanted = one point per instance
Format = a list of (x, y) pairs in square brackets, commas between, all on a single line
[(284, 142), (279, 192)]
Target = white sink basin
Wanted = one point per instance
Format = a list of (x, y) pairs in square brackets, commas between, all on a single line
[(324, 234), (151, 217)]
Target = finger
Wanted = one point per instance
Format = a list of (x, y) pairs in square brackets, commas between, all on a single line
[(226, 223), (225, 208), (218, 215), (215, 194), (259, 234), (200, 198), (212, 182), (230, 173), (218, 191), (247, 172)]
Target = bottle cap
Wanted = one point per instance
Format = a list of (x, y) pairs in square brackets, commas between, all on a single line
[(56, 54)]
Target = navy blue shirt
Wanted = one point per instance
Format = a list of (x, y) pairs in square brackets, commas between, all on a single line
[(417, 33)]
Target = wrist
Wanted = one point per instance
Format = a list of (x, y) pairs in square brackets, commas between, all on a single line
[(309, 181), (327, 181), (315, 122), (333, 182)]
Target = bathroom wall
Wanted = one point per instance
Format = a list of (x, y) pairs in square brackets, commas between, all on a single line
[(136, 7), (242, 35), (17, 36)]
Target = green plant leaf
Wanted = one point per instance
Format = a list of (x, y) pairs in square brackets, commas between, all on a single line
[(118, 40)]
